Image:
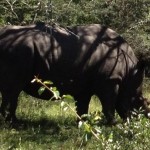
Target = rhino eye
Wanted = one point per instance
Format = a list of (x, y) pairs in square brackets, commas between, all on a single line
[(135, 72)]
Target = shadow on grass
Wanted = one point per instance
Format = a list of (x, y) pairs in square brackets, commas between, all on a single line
[(40, 131), (42, 122)]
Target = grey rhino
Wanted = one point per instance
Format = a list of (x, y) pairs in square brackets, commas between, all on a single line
[(80, 60)]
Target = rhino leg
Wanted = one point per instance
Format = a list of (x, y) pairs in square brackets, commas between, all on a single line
[(108, 109), (82, 103), (3, 107), (123, 104), (122, 110), (9, 105), (108, 97)]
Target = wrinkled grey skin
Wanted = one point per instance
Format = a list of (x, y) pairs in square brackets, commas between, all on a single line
[(81, 61)]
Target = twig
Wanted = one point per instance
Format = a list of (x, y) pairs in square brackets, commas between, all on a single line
[(69, 2), (11, 7), (39, 81)]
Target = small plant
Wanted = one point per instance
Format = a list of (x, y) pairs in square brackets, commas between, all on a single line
[(89, 126)]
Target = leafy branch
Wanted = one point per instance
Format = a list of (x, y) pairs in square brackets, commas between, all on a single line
[(11, 7), (44, 86), (87, 128)]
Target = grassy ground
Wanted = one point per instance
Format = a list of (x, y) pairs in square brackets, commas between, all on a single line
[(46, 127)]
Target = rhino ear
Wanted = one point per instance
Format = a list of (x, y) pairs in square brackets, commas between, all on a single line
[(138, 74), (139, 68), (141, 65)]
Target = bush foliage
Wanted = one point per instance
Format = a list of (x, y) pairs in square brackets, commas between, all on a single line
[(119, 14)]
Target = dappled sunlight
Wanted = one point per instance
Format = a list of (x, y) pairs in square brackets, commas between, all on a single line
[(36, 109), (95, 104)]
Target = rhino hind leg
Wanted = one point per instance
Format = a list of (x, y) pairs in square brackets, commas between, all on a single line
[(3, 107), (9, 105)]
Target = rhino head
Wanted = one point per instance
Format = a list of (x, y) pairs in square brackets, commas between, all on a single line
[(137, 99), (141, 103)]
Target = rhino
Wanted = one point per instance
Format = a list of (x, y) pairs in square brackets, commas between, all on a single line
[(81, 60)]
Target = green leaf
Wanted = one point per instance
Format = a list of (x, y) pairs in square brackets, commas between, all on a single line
[(65, 108), (110, 139), (68, 98), (88, 136), (80, 124), (98, 130), (48, 82), (56, 94), (97, 117), (41, 90), (87, 127), (53, 89), (62, 104), (33, 80)]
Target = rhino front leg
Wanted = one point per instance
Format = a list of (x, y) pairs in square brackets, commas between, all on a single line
[(108, 97), (122, 109), (82, 102), (108, 109)]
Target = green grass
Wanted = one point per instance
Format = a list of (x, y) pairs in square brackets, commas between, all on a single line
[(45, 126)]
